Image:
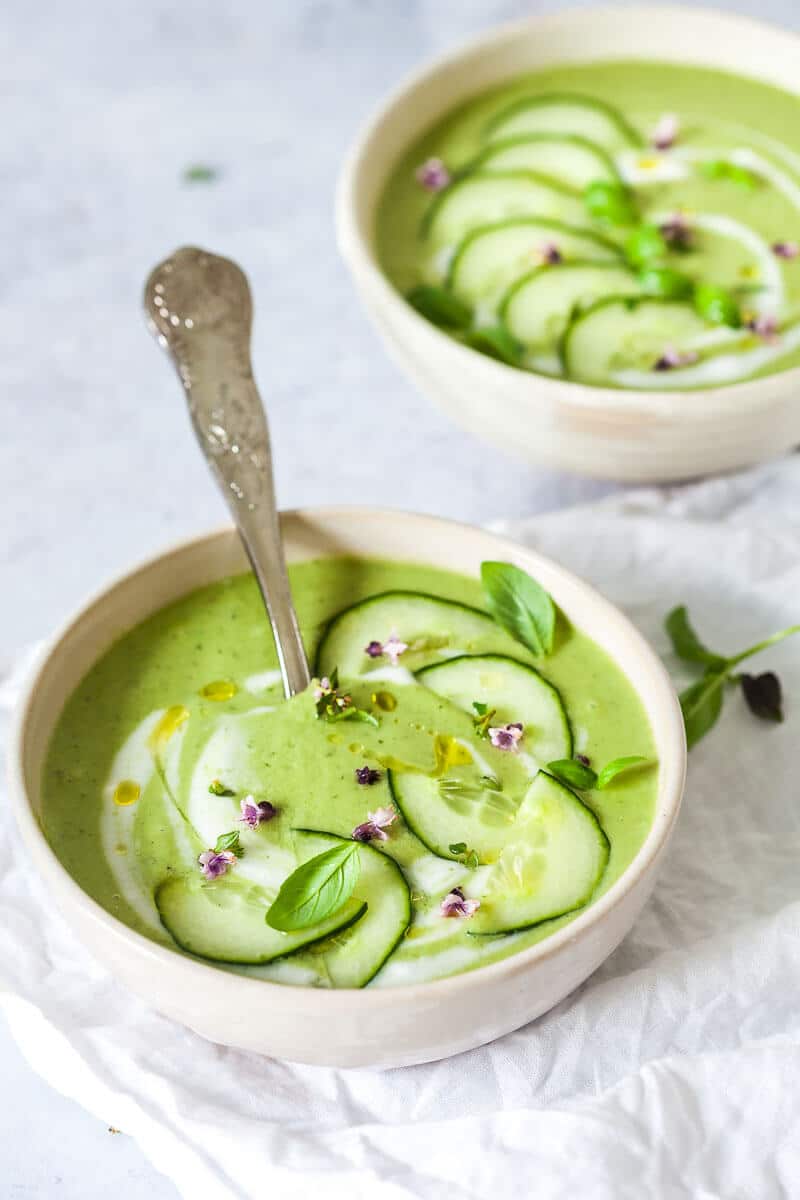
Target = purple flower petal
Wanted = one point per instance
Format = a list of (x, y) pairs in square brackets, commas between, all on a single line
[(666, 132), (455, 904), (374, 649), (368, 831), (676, 231), (213, 864), (787, 250), (383, 817), (765, 326), (671, 358), (322, 687), (392, 648), (550, 255), (255, 811), (367, 775), (505, 737), (433, 175)]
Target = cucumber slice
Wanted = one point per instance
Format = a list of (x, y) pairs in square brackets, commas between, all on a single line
[(620, 333), (537, 308), (460, 807), (354, 955), (564, 113), (490, 258), (573, 161), (478, 198), (518, 693), (552, 862), (434, 629), (226, 921)]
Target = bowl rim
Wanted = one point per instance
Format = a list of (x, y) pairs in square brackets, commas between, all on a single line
[(47, 863), (357, 253)]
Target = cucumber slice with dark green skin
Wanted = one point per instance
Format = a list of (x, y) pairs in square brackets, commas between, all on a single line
[(564, 113), (223, 921), (568, 159), (538, 307), (354, 955), (460, 807), (480, 197), (620, 333), (488, 260), (433, 629), (553, 860)]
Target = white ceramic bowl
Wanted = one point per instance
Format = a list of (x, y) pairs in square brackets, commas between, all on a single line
[(613, 434), (374, 1027)]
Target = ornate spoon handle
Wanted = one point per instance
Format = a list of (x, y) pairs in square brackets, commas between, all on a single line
[(200, 309)]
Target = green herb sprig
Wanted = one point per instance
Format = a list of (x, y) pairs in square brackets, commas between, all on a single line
[(216, 788), (317, 889), (520, 605), (579, 775), (335, 705), (701, 702), (229, 841), (465, 854), (483, 718)]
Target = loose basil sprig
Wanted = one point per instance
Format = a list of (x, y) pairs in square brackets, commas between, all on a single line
[(701, 703), (229, 841), (317, 889), (580, 775), (520, 605)]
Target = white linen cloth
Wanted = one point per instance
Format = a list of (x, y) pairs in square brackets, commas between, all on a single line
[(673, 1072)]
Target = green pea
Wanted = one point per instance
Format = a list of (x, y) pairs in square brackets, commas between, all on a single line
[(717, 305), (644, 244), (611, 202), (440, 307), (663, 281)]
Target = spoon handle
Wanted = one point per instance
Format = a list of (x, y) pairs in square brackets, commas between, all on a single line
[(200, 309)]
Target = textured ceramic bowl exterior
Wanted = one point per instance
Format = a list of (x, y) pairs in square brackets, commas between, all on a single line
[(614, 434), (373, 1027)]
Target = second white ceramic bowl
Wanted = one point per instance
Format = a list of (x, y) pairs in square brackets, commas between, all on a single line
[(614, 434), (373, 1027)]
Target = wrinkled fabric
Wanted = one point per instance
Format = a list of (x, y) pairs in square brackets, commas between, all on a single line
[(673, 1072)]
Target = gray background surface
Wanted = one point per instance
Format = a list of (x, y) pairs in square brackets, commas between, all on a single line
[(103, 106)]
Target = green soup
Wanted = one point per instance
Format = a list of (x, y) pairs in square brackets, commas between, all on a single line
[(625, 224), (182, 724)]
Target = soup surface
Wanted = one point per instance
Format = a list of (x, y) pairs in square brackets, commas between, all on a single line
[(624, 224), (182, 791)]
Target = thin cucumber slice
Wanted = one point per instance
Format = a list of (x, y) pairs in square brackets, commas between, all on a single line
[(571, 160), (353, 956), (564, 113), (553, 860), (537, 308), (466, 805), (225, 921), (478, 198), (621, 333), (488, 260), (433, 629), (516, 691)]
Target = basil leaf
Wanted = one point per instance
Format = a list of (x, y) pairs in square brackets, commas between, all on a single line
[(763, 695), (440, 307), (686, 643), (496, 342), (617, 766), (520, 605), (701, 705), (573, 773), (229, 841), (317, 889)]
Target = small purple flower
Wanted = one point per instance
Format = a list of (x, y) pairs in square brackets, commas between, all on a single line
[(433, 175), (665, 133), (213, 863), (672, 358), (505, 737), (765, 326), (550, 255), (255, 811), (322, 687), (374, 828), (583, 759), (392, 648), (367, 775), (455, 904), (787, 250), (676, 232)]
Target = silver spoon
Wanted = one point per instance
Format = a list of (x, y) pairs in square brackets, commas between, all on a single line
[(200, 309)]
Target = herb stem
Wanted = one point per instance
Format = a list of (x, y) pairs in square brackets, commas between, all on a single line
[(770, 641)]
